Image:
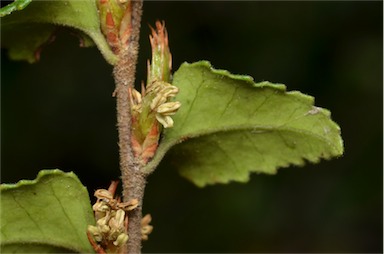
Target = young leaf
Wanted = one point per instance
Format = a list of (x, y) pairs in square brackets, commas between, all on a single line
[(228, 126), (45, 215), (25, 32)]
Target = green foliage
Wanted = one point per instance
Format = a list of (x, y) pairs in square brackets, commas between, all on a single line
[(228, 126), (25, 32), (16, 5), (46, 215)]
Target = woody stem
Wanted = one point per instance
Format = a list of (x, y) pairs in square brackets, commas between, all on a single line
[(132, 178)]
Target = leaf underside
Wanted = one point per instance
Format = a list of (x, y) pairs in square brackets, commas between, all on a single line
[(25, 32), (228, 126), (47, 215)]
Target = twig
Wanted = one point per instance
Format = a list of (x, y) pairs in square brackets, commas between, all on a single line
[(133, 180)]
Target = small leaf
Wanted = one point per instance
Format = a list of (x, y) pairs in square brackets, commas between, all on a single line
[(228, 126), (46, 215), (25, 32)]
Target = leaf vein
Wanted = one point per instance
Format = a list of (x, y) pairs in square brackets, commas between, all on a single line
[(228, 104), (246, 134), (64, 211), (261, 104), (191, 105), (29, 215), (233, 162)]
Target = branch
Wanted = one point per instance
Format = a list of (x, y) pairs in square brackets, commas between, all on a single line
[(133, 180)]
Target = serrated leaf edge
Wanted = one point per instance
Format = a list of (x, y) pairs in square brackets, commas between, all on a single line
[(21, 183), (40, 175), (310, 100), (245, 78), (165, 147)]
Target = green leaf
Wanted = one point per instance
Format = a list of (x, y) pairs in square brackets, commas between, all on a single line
[(47, 215), (16, 5), (228, 126), (25, 32)]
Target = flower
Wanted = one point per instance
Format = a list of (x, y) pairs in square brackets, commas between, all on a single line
[(153, 107), (110, 231)]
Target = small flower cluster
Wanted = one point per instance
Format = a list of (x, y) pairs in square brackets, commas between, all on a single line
[(164, 110), (110, 231), (146, 229), (160, 92), (154, 107)]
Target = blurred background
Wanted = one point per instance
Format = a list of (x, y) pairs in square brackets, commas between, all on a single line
[(59, 113)]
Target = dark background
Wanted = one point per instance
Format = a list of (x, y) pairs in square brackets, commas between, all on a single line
[(59, 113)]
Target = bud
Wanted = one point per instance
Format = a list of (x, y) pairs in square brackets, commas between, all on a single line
[(110, 232), (101, 206), (166, 121), (169, 91), (95, 232), (121, 240), (119, 218), (169, 108), (157, 101), (152, 109), (103, 194), (160, 68), (103, 221), (115, 22), (146, 229)]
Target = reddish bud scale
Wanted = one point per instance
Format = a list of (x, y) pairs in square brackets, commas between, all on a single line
[(109, 21), (149, 110), (136, 146), (125, 26), (144, 145), (150, 143), (115, 21), (161, 66)]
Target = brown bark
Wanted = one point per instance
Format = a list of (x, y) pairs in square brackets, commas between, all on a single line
[(132, 178)]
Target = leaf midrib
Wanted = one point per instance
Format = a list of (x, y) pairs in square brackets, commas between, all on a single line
[(165, 146)]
